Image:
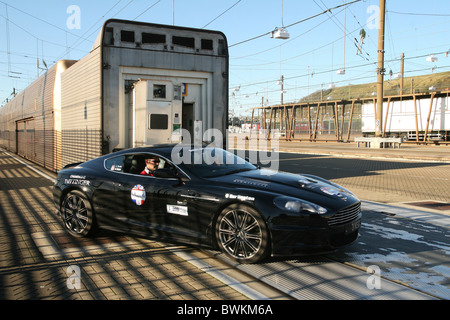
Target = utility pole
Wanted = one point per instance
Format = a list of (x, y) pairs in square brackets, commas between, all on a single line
[(402, 72), (282, 89), (380, 72)]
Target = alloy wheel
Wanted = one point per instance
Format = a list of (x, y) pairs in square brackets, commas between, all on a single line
[(240, 234), (76, 214)]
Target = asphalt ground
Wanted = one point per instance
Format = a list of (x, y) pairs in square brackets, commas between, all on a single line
[(413, 175), (410, 176), (38, 261)]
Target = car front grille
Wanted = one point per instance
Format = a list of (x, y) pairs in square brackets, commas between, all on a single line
[(345, 215)]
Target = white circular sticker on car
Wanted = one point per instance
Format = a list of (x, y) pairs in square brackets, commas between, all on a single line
[(138, 194)]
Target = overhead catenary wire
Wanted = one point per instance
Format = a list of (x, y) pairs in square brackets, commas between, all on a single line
[(82, 38), (288, 41), (35, 37), (39, 19), (420, 14), (252, 104), (221, 14), (295, 23), (334, 70), (86, 36), (147, 9), (313, 50), (365, 57)]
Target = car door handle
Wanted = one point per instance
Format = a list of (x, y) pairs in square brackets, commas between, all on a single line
[(117, 186)]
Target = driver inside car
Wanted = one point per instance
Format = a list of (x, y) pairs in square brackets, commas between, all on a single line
[(151, 164)]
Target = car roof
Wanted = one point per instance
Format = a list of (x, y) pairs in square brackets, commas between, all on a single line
[(163, 149)]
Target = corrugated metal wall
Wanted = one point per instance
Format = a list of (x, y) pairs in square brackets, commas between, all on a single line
[(27, 123), (60, 119), (6, 129), (81, 110), (32, 126), (30, 123)]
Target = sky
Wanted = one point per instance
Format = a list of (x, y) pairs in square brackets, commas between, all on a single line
[(36, 34)]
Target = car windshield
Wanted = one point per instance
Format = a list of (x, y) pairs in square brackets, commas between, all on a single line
[(210, 162)]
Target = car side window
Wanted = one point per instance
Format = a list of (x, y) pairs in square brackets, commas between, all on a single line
[(115, 164), (135, 163)]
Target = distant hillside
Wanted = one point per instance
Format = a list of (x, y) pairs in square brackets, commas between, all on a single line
[(420, 84)]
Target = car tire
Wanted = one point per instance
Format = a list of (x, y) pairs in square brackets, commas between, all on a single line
[(242, 234), (77, 215)]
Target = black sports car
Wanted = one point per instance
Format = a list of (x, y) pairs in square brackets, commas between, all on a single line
[(207, 196)]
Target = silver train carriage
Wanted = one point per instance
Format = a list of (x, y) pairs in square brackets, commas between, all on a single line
[(141, 84)]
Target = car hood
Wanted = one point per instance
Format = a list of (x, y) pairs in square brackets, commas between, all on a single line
[(302, 186)]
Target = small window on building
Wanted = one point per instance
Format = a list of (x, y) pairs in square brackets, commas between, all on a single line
[(184, 41), (207, 44), (126, 36), (109, 36), (222, 48), (153, 38), (158, 121), (159, 91)]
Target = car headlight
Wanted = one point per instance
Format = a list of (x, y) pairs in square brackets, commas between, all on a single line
[(297, 205)]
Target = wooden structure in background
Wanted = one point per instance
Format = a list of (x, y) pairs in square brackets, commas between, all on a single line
[(340, 115)]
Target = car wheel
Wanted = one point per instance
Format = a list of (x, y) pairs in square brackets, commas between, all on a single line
[(242, 234), (77, 214)]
